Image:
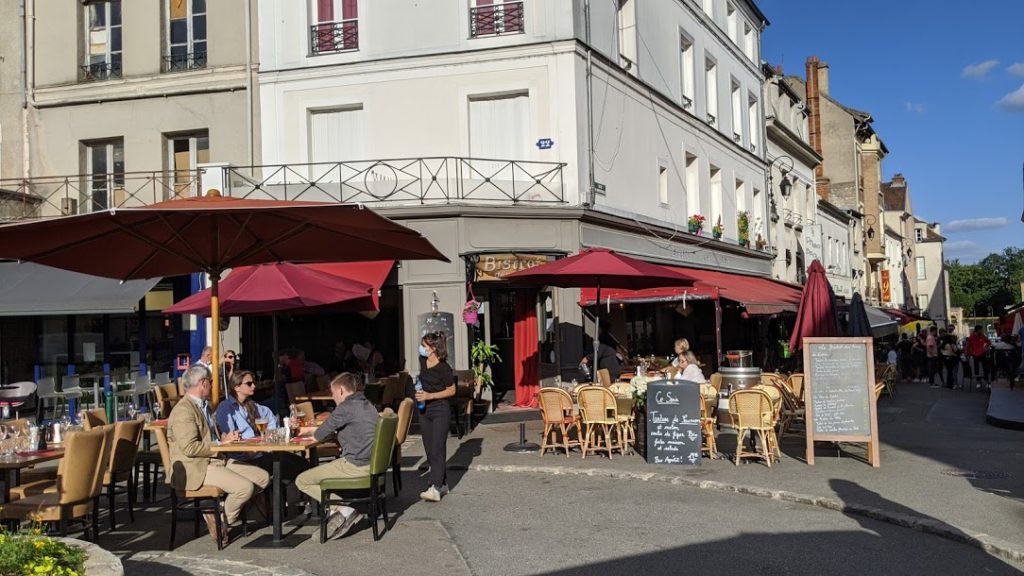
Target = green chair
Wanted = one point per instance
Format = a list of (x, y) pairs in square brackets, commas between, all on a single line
[(370, 489)]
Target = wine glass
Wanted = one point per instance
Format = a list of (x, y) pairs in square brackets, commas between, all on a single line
[(4, 449), (131, 410)]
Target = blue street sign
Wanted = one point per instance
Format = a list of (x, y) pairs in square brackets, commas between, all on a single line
[(545, 143)]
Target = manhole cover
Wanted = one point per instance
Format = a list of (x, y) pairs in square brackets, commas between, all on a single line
[(977, 474)]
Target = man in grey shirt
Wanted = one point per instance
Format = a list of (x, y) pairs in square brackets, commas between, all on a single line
[(354, 421)]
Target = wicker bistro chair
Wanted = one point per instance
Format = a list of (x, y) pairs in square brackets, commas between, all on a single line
[(127, 435), (166, 398), (707, 425), (557, 411), (796, 383), (753, 412), (401, 435), (604, 377), (600, 420), (370, 489), (77, 490), (308, 413), (792, 409)]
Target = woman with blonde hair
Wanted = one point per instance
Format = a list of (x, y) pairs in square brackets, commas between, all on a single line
[(682, 346)]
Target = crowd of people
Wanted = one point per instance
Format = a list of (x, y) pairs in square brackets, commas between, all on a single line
[(937, 356)]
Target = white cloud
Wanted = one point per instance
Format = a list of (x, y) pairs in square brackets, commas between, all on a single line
[(1014, 101), (916, 107), (1016, 69), (966, 251), (979, 70), (971, 224)]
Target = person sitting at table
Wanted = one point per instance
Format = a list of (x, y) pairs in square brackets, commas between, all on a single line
[(191, 431), (690, 370), (353, 423), (608, 359), (206, 358), (239, 412), (682, 346), (227, 369)]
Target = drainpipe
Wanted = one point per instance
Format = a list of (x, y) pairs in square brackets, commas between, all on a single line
[(25, 155), (591, 193), (248, 84)]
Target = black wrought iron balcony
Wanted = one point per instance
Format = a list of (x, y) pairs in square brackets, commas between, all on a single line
[(99, 71), (330, 37), (181, 62), (496, 19)]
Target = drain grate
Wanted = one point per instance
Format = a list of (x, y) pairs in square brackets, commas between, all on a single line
[(977, 474)]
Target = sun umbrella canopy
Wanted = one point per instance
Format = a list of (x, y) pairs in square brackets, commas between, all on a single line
[(817, 313), (859, 325), (601, 267), (277, 287)]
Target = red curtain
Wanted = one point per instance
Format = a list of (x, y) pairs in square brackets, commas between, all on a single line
[(527, 357)]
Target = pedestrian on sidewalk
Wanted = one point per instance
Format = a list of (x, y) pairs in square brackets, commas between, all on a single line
[(977, 348), (950, 354), (920, 356), (437, 380), (932, 350), (905, 350)]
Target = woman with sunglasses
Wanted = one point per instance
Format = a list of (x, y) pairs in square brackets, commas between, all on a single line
[(240, 412), (229, 365)]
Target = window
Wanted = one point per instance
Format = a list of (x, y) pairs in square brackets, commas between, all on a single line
[(741, 196), (918, 235), (922, 301), (186, 35), (748, 42), (730, 22), (663, 185), (919, 263), (495, 17), (709, 8), (185, 152), (737, 112), (711, 91), (104, 166), (499, 129), (716, 192), (627, 35), (758, 212), (686, 70), (754, 121), (336, 135), (692, 185), (335, 26), (103, 51)]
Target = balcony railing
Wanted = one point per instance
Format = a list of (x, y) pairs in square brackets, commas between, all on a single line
[(83, 193), (181, 62), (329, 37), (99, 71), (496, 19)]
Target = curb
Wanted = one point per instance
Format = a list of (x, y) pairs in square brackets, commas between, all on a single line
[(994, 546)]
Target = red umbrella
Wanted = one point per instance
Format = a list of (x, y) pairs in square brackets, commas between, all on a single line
[(597, 268), (210, 234), (277, 287), (817, 313)]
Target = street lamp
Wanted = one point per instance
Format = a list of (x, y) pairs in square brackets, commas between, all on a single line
[(785, 165)]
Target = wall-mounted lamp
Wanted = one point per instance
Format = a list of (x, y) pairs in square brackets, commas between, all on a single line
[(871, 232), (785, 185), (785, 165)]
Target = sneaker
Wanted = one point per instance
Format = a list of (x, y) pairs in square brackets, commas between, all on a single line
[(444, 491), (934, 386), (342, 524), (431, 495)]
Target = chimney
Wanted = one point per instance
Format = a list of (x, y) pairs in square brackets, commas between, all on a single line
[(898, 181), (823, 77), (813, 94)]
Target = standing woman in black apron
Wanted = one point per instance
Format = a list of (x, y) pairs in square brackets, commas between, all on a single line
[(435, 385)]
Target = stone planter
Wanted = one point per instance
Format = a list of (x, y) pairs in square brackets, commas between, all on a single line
[(99, 562)]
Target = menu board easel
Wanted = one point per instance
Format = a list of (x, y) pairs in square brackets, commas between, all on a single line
[(839, 387)]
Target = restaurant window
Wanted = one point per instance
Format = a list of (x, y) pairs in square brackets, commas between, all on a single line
[(686, 71), (103, 49), (495, 17), (185, 152), (186, 35), (919, 263), (711, 91), (335, 26), (104, 181)]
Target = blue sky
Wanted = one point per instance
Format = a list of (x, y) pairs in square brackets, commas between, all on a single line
[(945, 85)]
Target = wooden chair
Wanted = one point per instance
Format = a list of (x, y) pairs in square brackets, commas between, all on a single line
[(879, 388), (604, 377), (127, 435), (166, 398), (466, 393), (707, 425), (557, 411), (792, 409), (600, 418), (95, 418), (716, 381), (206, 499), (294, 390), (401, 434), (77, 489), (753, 412), (370, 489)]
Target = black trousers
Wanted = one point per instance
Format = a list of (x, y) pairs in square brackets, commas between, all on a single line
[(435, 421), (951, 363)]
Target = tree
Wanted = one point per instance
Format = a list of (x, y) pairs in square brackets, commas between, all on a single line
[(993, 282)]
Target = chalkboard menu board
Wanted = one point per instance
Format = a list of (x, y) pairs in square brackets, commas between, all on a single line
[(673, 422), (840, 393)]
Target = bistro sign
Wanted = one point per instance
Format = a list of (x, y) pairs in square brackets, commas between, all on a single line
[(491, 267)]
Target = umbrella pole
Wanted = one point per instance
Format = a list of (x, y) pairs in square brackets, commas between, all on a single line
[(597, 334), (215, 318), (274, 354)]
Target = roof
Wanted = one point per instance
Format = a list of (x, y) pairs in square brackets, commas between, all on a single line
[(894, 197)]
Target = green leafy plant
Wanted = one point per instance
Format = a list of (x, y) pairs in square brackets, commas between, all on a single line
[(743, 227), (718, 229), (483, 356), (32, 552)]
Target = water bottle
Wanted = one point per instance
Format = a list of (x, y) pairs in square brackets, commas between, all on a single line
[(421, 406), (108, 405), (33, 437)]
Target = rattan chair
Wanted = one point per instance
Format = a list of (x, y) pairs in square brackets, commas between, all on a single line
[(95, 418), (370, 489), (557, 410), (888, 377), (707, 425), (792, 409), (600, 420), (166, 398), (77, 489), (401, 434), (796, 383), (604, 377), (308, 414), (753, 412), (127, 435), (716, 381)]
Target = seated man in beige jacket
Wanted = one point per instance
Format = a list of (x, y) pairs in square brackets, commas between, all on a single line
[(191, 429)]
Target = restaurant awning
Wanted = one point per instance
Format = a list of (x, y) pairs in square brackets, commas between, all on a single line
[(882, 324), (374, 273), (758, 295), (35, 290), (901, 316)]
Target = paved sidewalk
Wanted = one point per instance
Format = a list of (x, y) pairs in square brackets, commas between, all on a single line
[(1006, 407), (942, 469)]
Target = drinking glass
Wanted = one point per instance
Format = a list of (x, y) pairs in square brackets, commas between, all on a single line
[(261, 426), (131, 410), (5, 452)]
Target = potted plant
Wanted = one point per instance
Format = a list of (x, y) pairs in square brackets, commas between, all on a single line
[(760, 242), (718, 229), (35, 553), (743, 228), (695, 224), (483, 356)]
